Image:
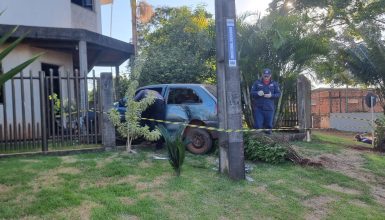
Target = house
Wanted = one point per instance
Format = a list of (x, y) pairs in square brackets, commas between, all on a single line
[(69, 34), (342, 109)]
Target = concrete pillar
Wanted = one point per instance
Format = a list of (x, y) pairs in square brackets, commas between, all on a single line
[(83, 70), (108, 129), (304, 103)]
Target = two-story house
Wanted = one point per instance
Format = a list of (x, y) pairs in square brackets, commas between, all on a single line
[(69, 34)]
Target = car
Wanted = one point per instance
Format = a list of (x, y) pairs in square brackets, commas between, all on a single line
[(192, 104)]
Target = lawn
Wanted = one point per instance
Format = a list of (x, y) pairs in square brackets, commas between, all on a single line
[(117, 185)]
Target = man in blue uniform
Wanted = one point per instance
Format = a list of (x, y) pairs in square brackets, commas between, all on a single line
[(264, 92)]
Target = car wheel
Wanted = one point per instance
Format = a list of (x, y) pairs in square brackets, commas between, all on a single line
[(199, 141)]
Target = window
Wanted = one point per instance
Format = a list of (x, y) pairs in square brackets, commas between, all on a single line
[(84, 3), (183, 96)]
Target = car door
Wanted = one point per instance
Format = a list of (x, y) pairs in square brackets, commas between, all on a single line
[(182, 105)]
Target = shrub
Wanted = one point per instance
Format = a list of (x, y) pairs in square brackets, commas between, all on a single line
[(176, 147), (259, 147), (379, 133)]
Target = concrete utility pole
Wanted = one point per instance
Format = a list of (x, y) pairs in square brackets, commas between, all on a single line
[(231, 153)]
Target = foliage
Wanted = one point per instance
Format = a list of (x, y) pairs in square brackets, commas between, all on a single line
[(177, 46), (131, 127), (283, 43), (355, 29), (4, 76), (379, 132), (56, 102), (262, 148), (176, 147)]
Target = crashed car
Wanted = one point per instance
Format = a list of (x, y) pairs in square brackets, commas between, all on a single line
[(193, 104)]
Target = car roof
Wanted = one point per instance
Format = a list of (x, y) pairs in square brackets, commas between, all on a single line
[(172, 84)]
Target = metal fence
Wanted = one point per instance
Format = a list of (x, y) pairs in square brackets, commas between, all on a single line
[(50, 111)]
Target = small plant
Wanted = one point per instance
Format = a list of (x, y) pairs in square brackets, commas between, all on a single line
[(131, 127), (176, 147), (259, 147), (4, 76)]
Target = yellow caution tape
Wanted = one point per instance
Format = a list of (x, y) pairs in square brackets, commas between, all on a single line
[(217, 129)]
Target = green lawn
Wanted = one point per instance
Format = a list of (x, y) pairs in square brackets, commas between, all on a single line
[(116, 185)]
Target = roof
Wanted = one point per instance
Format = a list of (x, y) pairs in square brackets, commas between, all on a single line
[(101, 50)]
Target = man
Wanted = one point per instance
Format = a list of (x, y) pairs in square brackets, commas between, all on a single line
[(264, 92)]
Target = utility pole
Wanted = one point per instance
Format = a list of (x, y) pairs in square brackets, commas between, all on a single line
[(231, 151)]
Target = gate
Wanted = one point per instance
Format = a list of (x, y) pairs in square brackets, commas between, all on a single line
[(288, 116), (50, 111)]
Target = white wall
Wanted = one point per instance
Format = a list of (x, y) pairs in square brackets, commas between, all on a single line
[(19, 55), (50, 13)]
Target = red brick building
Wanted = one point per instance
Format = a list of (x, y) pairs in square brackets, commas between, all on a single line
[(337, 100)]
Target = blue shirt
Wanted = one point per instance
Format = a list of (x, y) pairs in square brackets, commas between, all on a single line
[(266, 104)]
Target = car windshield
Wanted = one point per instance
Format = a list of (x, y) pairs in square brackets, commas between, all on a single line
[(212, 89)]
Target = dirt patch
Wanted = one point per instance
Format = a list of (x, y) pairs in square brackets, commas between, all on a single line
[(159, 196), (68, 170), (30, 161), (102, 163), (379, 194), (350, 162), (82, 212), (338, 188), (5, 189), (158, 181), (359, 203), (144, 164), (46, 180), (318, 206), (127, 200), (103, 182), (130, 179), (361, 148), (128, 217), (68, 159)]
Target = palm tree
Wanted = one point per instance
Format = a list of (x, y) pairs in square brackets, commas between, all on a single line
[(281, 43)]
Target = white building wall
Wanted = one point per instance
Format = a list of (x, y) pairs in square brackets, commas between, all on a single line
[(19, 55), (50, 13)]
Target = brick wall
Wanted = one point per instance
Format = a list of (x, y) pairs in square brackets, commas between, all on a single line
[(326, 101)]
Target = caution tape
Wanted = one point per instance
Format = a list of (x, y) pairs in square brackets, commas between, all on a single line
[(216, 129), (235, 130)]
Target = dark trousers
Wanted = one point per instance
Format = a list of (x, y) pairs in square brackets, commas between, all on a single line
[(263, 119)]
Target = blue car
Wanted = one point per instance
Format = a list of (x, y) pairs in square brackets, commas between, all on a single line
[(193, 104)]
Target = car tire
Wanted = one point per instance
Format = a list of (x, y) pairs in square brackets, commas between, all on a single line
[(199, 141)]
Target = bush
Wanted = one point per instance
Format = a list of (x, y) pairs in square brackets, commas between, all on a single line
[(259, 147), (379, 133), (176, 147)]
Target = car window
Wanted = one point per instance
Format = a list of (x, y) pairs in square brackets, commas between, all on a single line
[(157, 89), (183, 96)]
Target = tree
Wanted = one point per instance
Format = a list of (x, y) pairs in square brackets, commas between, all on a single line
[(177, 46), (283, 43), (131, 127), (348, 23)]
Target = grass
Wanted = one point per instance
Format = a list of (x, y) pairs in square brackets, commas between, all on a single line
[(117, 185)]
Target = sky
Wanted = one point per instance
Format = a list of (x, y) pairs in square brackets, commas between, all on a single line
[(121, 16), (121, 13)]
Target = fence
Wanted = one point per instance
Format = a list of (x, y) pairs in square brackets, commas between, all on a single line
[(50, 111)]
